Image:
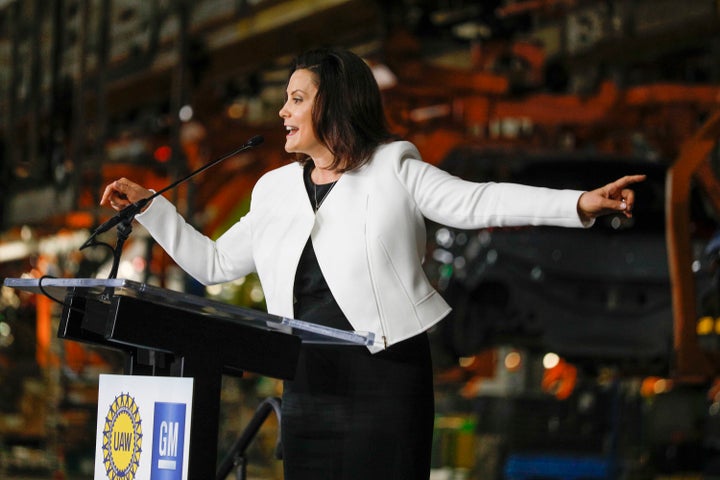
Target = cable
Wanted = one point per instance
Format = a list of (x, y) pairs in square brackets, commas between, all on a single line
[(61, 302)]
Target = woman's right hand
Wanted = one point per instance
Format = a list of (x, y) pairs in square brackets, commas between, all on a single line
[(122, 192)]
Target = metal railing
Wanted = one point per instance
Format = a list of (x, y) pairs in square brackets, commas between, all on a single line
[(235, 458)]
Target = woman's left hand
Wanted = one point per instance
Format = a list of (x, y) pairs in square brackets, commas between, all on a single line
[(612, 198)]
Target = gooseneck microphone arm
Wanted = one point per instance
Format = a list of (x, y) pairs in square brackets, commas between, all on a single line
[(123, 219)]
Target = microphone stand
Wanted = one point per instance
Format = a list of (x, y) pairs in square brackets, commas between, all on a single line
[(124, 218)]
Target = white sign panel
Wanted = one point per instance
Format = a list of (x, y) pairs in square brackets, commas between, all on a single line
[(143, 428)]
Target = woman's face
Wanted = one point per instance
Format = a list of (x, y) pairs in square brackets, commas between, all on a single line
[(297, 114)]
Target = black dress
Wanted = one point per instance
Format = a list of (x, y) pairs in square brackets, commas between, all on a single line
[(350, 414)]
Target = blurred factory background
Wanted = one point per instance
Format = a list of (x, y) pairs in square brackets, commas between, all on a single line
[(569, 355)]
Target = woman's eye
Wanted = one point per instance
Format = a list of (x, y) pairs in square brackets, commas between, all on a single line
[(297, 99)]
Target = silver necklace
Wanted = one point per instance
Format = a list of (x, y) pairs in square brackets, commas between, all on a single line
[(322, 198)]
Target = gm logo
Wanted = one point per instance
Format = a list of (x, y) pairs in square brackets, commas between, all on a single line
[(168, 441)]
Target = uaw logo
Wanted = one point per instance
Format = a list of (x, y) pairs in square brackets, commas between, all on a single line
[(168, 441), (122, 439)]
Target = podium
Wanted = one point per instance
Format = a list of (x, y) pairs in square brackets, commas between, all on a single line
[(168, 333)]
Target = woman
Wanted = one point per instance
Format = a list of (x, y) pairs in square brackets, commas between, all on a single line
[(337, 238)]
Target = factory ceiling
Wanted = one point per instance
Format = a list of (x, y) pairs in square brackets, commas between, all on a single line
[(86, 83)]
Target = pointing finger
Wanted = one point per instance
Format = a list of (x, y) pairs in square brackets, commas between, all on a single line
[(623, 182)]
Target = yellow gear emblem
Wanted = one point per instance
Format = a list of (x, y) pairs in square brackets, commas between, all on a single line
[(122, 439)]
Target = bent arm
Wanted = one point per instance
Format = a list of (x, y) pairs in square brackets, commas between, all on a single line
[(206, 260)]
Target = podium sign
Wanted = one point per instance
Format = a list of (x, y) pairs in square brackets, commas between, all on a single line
[(143, 428), (172, 334)]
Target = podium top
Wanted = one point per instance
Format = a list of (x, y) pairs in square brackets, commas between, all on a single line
[(307, 331)]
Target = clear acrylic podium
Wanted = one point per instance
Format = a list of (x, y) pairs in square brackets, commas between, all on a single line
[(163, 332)]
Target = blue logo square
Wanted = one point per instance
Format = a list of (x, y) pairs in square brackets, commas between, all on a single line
[(168, 441)]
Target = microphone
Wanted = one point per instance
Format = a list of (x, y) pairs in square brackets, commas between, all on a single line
[(254, 141), (133, 209)]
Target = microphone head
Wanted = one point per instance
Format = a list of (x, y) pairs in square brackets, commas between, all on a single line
[(255, 141)]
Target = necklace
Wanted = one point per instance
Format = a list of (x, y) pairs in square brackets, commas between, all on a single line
[(326, 187)]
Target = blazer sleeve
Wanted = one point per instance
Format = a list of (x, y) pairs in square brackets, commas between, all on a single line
[(206, 260), (450, 200)]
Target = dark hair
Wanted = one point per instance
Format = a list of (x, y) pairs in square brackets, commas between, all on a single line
[(348, 114)]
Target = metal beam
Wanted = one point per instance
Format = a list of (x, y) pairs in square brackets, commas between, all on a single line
[(691, 363)]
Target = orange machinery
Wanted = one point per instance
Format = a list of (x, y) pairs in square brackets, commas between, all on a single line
[(691, 362)]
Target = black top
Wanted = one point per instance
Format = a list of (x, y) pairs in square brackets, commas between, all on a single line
[(313, 300)]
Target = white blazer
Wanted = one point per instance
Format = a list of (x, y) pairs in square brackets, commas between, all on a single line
[(369, 236)]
